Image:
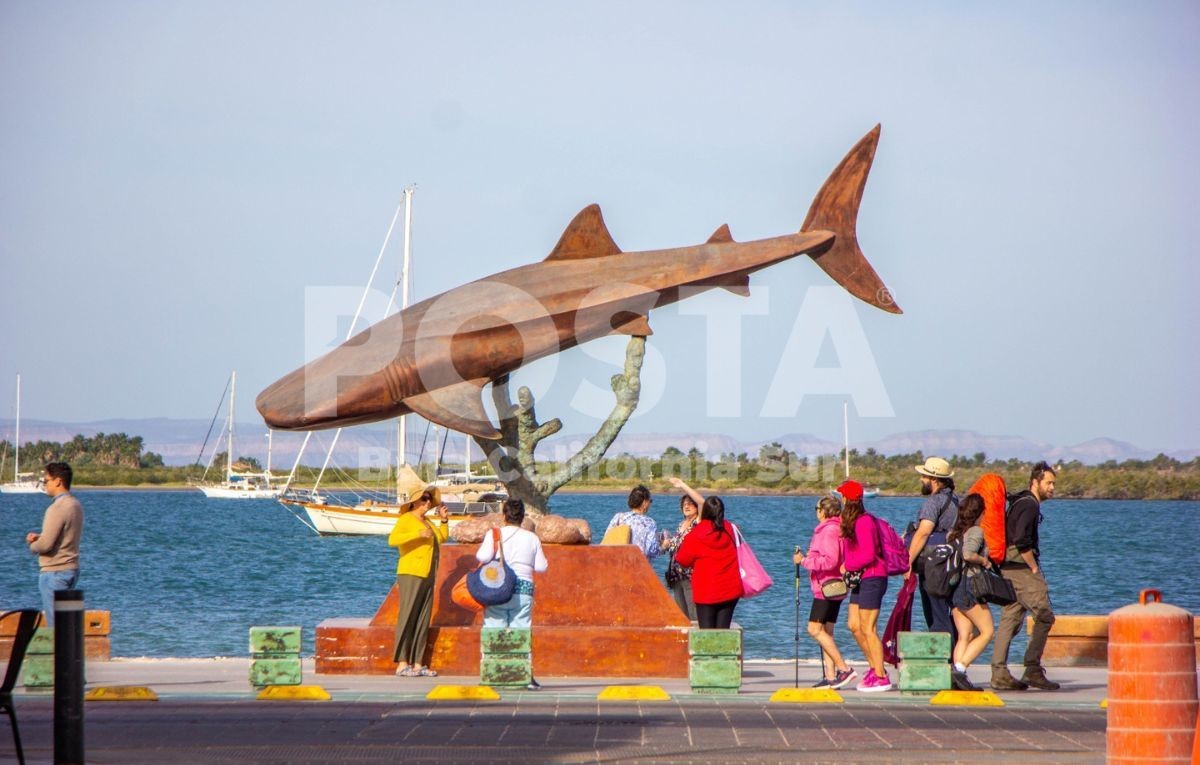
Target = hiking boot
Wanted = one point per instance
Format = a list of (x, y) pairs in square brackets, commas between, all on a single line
[(960, 682), (824, 682), (1035, 677), (1002, 680), (844, 678)]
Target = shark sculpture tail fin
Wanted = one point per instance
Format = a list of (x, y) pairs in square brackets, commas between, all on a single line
[(835, 209)]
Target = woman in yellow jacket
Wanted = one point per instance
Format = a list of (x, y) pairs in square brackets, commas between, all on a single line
[(418, 540)]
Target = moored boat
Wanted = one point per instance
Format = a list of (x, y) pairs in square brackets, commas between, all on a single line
[(22, 483)]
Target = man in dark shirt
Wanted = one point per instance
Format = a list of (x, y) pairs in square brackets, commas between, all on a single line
[(934, 520), (1023, 568)]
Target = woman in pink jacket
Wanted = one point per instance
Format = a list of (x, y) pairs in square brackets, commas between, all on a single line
[(824, 564), (864, 563)]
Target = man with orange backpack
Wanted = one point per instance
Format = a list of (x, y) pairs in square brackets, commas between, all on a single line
[(1022, 567)]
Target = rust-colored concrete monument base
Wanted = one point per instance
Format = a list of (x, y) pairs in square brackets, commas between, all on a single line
[(600, 611), (1082, 641), (96, 628)]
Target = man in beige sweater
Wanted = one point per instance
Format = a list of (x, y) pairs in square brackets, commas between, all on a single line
[(57, 546)]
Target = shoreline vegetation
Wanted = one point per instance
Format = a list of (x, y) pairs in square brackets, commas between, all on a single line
[(118, 461)]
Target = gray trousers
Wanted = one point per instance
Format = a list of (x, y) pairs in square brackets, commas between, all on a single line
[(682, 592), (412, 616), (1034, 596)]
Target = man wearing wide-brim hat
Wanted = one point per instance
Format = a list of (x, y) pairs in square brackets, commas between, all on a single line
[(934, 520)]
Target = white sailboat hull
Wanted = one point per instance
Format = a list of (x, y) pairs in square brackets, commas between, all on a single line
[(236, 492), (24, 487), (375, 518)]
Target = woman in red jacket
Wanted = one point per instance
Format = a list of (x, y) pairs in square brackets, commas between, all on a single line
[(709, 551)]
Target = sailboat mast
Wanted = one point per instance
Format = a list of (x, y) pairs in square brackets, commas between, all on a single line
[(405, 286), (229, 453), (270, 433), (846, 431), (17, 455), (349, 334)]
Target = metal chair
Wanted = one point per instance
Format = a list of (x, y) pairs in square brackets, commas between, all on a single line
[(26, 626)]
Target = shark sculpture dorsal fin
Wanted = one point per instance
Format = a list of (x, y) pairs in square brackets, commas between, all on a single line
[(721, 235), (458, 407), (586, 237)]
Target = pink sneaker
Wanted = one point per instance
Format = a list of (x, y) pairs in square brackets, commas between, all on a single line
[(865, 683), (873, 683)]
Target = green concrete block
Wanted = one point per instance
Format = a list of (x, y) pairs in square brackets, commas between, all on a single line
[(275, 672), (709, 672), (924, 645), (38, 671), (498, 640), (505, 671), (714, 642), (275, 640), (919, 675), (42, 643)]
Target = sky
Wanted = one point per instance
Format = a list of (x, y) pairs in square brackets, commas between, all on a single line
[(184, 184)]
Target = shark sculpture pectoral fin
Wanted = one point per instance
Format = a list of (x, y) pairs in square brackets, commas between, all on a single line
[(632, 324), (458, 407), (586, 236)]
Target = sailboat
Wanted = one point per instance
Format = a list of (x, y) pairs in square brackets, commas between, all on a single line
[(370, 516), (868, 491), (22, 483), (239, 484)]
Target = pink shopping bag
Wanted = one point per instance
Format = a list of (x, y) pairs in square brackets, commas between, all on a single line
[(755, 579)]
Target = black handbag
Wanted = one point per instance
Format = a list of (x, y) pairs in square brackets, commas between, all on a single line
[(853, 578), (991, 587)]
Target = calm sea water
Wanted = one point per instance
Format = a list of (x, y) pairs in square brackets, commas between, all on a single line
[(187, 576)]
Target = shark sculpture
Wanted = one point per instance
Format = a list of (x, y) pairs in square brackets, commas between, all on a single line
[(435, 357)]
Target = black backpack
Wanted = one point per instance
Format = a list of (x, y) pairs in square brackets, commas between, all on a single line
[(943, 568)]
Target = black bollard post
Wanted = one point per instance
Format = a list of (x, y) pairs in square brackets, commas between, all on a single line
[(68, 677)]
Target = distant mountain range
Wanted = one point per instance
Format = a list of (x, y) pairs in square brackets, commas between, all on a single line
[(178, 441)]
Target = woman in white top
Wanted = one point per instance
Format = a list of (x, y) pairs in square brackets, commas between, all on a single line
[(523, 553)]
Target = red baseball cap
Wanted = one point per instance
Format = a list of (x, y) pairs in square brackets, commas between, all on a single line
[(851, 490)]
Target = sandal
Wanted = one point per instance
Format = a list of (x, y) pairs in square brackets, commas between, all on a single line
[(408, 672), (427, 672)]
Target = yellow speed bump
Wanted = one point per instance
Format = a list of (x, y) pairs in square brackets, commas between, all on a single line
[(807, 696), (462, 693), (121, 693), (294, 693), (633, 693), (967, 699)]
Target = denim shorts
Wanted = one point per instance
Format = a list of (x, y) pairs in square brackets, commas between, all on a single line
[(869, 593)]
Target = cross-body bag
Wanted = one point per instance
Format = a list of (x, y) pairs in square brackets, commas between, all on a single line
[(834, 589), (493, 583)]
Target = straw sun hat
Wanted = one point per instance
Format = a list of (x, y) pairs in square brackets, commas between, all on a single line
[(416, 497), (935, 467)]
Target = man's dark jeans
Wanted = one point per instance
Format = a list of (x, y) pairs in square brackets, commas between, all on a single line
[(937, 612)]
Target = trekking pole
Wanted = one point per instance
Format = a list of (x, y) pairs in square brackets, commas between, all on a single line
[(796, 683)]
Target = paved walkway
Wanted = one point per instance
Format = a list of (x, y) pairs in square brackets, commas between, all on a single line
[(207, 714)]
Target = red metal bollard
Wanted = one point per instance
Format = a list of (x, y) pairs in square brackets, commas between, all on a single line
[(1151, 683)]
